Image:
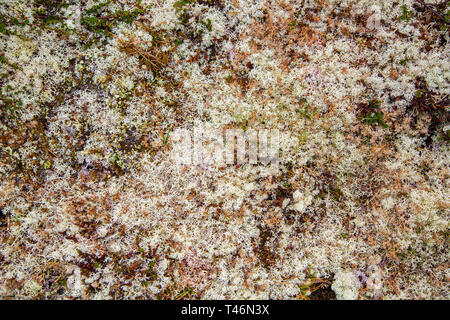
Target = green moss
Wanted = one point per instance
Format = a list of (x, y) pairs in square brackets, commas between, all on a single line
[(3, 28), (207, 24), (10, 108), (8, 21), (100, 20), (183, 14), (407, 14), (306, 110)]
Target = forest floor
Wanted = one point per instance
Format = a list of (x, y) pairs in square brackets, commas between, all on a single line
[(94, 205)]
